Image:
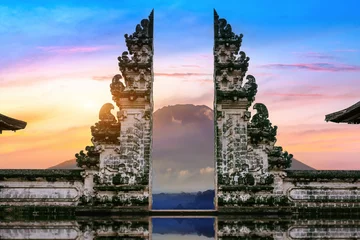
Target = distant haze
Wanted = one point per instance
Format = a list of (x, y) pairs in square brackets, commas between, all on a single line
[(183, 149)]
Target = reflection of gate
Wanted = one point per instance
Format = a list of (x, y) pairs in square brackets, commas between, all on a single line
[(171, 227)]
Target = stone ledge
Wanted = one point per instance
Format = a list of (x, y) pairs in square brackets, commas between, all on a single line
[(246, 188), (48, 174), (121, 188), (322, 174)]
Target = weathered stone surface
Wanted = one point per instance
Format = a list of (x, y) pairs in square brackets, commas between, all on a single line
[(135, 228), (244, 147), (57, 193)]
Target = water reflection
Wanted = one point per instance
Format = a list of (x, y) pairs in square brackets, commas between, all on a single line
[(192, 228), (184, 228), (170, 236)]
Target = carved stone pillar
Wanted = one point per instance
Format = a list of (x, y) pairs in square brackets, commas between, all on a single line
[(243, 148), (120, 160), (134, 98)]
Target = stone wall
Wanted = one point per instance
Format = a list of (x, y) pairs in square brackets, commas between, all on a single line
[(41, 187), (322, 189), (287, 229), (80, 230)]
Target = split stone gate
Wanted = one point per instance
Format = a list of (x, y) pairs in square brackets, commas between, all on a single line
[(250, 172)]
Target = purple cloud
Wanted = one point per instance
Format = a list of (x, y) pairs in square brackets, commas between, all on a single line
[(295, 94), (192, 66), (347, 50), (72, 49), (315, 55), (323, 67), (181, 74), (103, 78)]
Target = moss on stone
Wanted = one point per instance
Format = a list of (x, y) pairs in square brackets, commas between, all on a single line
[(314, 175), (124, 188), (50, 175), (256, 188)]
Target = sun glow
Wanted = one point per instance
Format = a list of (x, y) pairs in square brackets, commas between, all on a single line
[(90, 105)]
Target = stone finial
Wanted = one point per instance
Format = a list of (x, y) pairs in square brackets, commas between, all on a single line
[(231, 65)]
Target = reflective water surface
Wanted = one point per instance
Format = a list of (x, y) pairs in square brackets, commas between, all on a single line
[(184, 228)]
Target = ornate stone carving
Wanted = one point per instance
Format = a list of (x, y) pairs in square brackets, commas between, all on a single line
[(107, 130), (123, 166), (279, 159), (231, 65), (244, 151), (89, 160), (136, 65), (260, 128)]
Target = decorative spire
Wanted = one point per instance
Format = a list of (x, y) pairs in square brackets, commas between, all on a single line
[(223, 32), (231, 64), (136, 64)]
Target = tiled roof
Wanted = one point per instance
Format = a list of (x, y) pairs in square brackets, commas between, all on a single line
[(8, 123), (349, 115)]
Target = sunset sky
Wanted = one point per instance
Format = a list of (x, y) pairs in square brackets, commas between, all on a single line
[(58, 58)]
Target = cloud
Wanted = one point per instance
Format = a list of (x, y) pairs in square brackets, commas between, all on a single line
[(206, 81), (315, 55), (347, 50), (32, 116), (72, 49), (290, 100), (181, 74), (103, 78), (176, 121), (207, 56), (294, 94), (325, 137), (193, 66), (206, 170), (322, 67), (184, 173)]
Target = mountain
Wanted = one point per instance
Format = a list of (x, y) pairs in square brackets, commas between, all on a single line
[(69, 164), (297, 165), (199, 200), (184, 226), (184, 132)]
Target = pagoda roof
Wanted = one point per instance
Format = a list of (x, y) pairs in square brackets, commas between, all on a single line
[(8, 123), (349, 115)]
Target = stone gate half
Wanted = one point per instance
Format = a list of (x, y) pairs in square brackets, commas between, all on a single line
[(122, 145), (250, 171), (244, 150)]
